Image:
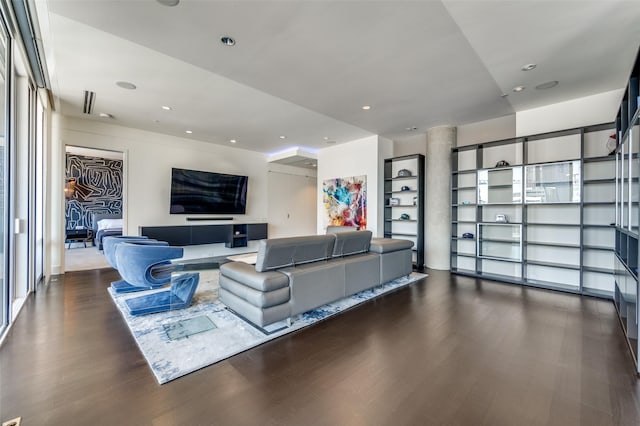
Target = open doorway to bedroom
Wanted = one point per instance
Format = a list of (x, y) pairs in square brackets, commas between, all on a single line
[(93, 204)]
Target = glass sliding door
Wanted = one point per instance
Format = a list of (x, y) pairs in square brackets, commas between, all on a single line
[(4, 181)]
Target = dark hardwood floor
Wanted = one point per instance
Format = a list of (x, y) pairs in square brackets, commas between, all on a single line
[(448, 350)]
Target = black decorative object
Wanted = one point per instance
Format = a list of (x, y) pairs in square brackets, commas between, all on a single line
[(404, 173), (405, 188), (405, 216), (502, 163)]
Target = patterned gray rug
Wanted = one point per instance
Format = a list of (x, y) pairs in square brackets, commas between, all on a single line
[(229, 335)]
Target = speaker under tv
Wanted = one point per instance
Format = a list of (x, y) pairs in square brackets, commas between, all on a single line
[(200, 192)]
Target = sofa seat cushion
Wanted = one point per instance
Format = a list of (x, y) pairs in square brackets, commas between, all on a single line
[(247, 275), (351, 242), (260, 299), (258, 316), (279, 253), (388, 245)]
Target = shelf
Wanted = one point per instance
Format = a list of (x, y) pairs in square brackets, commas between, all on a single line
[(596, 269), (499, 240), (500, 223), (463, 205), (608, 180), (501, 259), (464, 172), (598, 226), (462, 188), (463, 221), (499, 204), (600, 203), (400, 220), (462, 238), (455, 253), (551, 224), (602, 248), (609, 157), (401, 178), (411, 191), (399, 234), (506, 185), (561, 245), (552, 203), (401, 205), (553, 264)]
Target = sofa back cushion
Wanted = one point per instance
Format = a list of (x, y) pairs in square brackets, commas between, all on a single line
[(334, 229), (353, 242), (278, 253)]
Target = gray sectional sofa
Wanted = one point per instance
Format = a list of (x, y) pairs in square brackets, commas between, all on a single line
[(295, 275)]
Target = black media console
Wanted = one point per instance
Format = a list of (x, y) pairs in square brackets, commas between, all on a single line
[(232, 235)]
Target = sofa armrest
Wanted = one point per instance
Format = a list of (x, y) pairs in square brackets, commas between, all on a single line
[(246, 274), (389, 245)]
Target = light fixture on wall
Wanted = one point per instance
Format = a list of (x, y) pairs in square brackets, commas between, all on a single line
[(70, 188)]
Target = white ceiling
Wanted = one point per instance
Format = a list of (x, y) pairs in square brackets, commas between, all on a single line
[(304, 69)]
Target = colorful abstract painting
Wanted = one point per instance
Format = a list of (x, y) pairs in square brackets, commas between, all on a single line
[(345, 201)]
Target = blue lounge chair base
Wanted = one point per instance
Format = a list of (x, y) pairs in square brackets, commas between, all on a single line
[(122, 286), (177, 297)]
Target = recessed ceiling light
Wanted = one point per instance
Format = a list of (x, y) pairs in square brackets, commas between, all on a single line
[(547, 85), (188, 132), (169, 3), (228, 41), (283, 137), (366, 107), (126, 85), (412, 128), (504, 95), (105, 115), (528, 67), (166, 108), (233, 141), (326, 138), (518, 88)]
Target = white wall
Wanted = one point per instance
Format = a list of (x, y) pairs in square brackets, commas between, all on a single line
[(486, 131), (355, 158), (586, 111), (148, 159), (416, 144)]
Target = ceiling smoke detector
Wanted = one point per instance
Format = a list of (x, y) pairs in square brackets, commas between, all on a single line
[(518, 88), (528, 67), (126, 85)]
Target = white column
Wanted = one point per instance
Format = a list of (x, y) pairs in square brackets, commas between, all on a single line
[(440, 140)]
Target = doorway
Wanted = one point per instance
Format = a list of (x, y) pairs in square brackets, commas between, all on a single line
[(93, 187)]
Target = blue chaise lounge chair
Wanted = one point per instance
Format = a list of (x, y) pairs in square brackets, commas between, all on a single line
[(135, 263)]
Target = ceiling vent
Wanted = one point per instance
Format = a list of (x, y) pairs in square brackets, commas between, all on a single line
[(89, 100)]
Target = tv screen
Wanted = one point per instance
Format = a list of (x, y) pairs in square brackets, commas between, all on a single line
[(195, 192)]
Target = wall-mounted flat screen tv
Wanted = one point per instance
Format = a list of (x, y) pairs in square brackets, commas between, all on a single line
[(196, 192)]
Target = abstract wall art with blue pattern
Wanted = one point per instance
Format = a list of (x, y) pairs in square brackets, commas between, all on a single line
[(98, 189)]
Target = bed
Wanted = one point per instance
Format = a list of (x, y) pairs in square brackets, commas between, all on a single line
[(105, 225)]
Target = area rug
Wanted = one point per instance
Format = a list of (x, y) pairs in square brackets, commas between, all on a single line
[(230, 334)]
